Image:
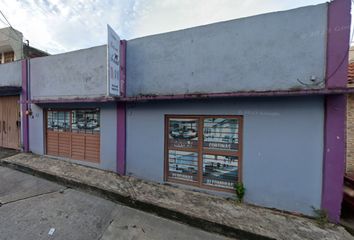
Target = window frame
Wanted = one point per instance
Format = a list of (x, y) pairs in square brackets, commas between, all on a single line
[(69, 110), (201, 151)]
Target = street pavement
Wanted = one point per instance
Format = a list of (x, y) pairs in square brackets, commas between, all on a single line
[(34, 209), (5, 152)]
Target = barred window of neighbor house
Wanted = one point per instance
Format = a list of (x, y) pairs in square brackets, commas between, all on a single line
[(9, 57), (204, 151)]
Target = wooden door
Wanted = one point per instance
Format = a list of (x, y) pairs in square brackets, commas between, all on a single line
[(10, 122), (73, 134)]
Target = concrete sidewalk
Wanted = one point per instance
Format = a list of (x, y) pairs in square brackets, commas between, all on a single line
[(205, 211)]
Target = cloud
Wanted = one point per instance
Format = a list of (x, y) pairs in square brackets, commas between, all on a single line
[(161, 16), (63, 25)]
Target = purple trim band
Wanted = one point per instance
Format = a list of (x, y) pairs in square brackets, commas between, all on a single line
[(334, 155), (338, 43), (241, 94), (202, 96), (75, 100), (24, 107), (121, 137)]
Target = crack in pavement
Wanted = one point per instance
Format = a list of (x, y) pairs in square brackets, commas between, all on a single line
[(34, 196)]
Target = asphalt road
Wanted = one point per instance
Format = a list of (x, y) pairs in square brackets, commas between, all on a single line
[(32, 208)]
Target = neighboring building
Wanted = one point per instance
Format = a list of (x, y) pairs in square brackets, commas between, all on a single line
[(208, 107), (350, 119), (11, 45), (12, 49), (348, 190)]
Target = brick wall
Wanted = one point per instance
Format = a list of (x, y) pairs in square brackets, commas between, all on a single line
[(350, 134)]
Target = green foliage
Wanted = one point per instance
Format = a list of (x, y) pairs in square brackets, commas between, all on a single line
[(240, 191), (321, 216)]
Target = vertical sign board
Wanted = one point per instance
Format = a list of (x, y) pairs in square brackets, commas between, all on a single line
[(113, 72)]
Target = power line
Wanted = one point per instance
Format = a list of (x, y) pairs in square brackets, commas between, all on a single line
[(10, 24), (345, 58), (5, 18), (3, 21)]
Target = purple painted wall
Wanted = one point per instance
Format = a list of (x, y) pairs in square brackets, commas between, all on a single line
[(338, 43), (334, 155), (121, 137), (335, 114), (24, 106), (121, 113)]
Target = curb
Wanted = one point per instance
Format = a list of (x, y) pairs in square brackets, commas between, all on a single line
[(200, 223)]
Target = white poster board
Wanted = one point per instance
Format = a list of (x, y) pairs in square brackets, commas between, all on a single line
[(113, 71)]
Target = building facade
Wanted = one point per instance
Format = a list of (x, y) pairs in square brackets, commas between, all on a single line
[(251, 100), (12, 50)]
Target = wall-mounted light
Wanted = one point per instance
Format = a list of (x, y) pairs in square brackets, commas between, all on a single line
[(29, 112)]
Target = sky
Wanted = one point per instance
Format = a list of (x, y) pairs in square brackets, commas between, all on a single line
[(58, 26)]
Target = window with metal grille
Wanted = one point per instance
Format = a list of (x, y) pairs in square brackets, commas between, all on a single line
[(204, 150), (80, 121), (9, 57)]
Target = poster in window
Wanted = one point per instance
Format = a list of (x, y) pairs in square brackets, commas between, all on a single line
[(220, 171), (183, 165), (183, 133), (220, 134)]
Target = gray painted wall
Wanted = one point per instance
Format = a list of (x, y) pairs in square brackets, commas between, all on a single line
[(282, 146), (36, 127), (108, 118), (265, 52), (11, 74), (78, 74)]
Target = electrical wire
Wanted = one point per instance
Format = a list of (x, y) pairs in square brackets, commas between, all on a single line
[(10, 24), (345, 58), (10, 27)]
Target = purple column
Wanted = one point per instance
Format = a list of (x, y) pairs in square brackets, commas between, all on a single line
[(338, 43), (24, 106), (335, 107), (334, 155), (121, 112), (121, 138)]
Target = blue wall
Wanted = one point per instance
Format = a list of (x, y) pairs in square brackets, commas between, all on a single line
[(282, 145), (257, 53)]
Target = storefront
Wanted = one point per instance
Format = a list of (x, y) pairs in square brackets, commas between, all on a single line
[(73, 133), (84, 133), (209, 145)]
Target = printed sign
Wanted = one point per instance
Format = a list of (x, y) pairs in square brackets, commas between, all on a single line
[(113, 73)]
